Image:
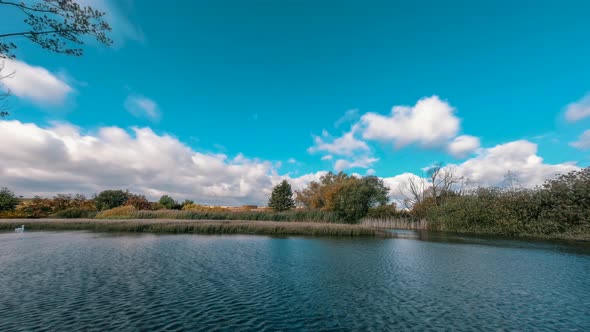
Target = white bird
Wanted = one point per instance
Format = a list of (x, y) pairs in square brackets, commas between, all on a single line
[(20, 229)]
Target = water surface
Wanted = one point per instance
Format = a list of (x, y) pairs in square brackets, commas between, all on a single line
[(57, 281)]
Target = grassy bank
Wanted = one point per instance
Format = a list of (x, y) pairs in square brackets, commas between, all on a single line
[(128, 212), (195, 227)]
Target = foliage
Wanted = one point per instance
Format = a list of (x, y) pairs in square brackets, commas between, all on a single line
[(349, 197), (120, 212), (73, 213), (169, 203), (281, 198), (8, 200), (110, 199), (561, 205), (38, 207), (140, 202)]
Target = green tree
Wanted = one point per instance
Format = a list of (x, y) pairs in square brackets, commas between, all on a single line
[(354, 199), (109, 199), (8, 200), (169, 203), (281, 198)]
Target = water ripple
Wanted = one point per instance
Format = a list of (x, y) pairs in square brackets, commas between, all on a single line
[(83, 281)]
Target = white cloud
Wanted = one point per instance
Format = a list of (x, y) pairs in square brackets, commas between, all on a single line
[(292, 161), (349, 116), (60, 158), (583, 142), (118, 17), (490, 166), (34, 83), (431, 122), (578, 110), (358, 161), (141, 106), (327, 157), (346, 145), (463, 145)]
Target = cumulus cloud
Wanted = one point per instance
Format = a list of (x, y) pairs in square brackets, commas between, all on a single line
[(490, 166), (60, 158), (463, 145), (34, 83), (346, 145), (578, 110), (357, 162), (431, 122), (141, 106), (583, 142)]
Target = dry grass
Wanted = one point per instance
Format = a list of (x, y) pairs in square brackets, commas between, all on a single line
[(395, 223), (196, 227)]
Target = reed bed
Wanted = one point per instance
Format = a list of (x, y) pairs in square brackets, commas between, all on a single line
[(195, 227), (128, 212), (396, 223)]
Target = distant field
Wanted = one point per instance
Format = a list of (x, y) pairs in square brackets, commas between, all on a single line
[(194, 226)]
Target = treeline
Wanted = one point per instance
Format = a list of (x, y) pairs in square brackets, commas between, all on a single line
[(78, 206), (561, 206)]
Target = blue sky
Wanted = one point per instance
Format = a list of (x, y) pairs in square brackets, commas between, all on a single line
[(263, 79)]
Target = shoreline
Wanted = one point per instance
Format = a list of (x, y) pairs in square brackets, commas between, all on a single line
[(176, 226)]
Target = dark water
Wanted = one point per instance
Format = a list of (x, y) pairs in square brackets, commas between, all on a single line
[(93, 282)]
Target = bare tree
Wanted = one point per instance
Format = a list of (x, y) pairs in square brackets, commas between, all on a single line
[(413, 191), (55, 25), (4, 94)]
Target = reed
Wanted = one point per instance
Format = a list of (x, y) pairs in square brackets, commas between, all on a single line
[(396, 223), (195, 227), (128, 212)]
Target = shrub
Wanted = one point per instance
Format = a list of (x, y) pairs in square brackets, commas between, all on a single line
[(121, 212), (73, 213), (109, 199), (8, 200)]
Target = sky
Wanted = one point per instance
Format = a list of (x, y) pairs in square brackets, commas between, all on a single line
[(217, 101)]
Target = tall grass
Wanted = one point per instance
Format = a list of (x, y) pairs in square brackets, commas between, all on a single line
[(128, 212), (398, 223), (196, 227)]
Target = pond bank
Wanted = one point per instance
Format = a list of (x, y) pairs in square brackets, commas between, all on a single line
[(195, 226)]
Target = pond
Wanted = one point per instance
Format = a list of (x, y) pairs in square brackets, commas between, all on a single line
[(57, 281)]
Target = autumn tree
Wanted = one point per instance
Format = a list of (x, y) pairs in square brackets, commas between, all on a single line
[(348, 196), (281, 198)]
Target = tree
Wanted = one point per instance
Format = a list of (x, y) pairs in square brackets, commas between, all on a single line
[(281, 198), (109, 199), (55, 25), (169, 203), (139, 202), (348, 196), (353, 201), (8, 200)]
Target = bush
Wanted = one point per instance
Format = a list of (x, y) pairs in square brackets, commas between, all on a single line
[(73, 213), (8, 200), (121, 212), (110, 199)]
